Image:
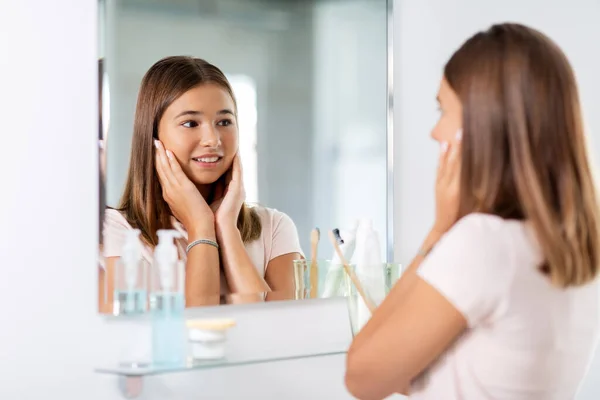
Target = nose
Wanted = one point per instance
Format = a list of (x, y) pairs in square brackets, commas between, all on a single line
[(435, 135), (210, 136)]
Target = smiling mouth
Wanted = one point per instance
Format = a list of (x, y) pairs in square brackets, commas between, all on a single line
[(207, 161)]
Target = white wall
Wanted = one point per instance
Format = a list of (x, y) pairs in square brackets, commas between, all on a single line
[(51, 337), (426, 34), (48, 210)]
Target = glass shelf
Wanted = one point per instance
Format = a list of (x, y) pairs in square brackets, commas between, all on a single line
[(332, 282), (141, 370)]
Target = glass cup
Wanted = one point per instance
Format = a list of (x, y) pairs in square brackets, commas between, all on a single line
[(320, 279), (331, 280)]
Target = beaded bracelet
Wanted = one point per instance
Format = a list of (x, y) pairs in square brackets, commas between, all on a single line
[(201, 241)]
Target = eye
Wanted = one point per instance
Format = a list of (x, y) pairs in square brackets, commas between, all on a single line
[(225, 122), (190, 124)]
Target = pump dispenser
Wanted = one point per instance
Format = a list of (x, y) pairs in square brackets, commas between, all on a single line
[(166, 258), (369, 268), (130, 277), (167, 301)]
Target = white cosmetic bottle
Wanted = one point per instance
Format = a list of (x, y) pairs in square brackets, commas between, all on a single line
[(130, 292), (369, 269)]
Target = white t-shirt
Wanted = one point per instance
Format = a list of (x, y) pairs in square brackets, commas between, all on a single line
[(526, 339), (278, 237)]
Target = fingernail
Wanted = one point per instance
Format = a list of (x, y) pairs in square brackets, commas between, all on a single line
[(444, 147), (169, 154), (459, 134), (156, 143)]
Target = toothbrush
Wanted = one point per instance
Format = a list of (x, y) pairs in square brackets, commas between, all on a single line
[(314, 272), (338, 237), (335, 272), (359, 288)]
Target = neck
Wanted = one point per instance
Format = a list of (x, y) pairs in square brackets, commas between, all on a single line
[(205, 191)]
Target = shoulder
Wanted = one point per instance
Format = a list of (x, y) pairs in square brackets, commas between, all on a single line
[(272, 218), (279, 233), (474, 263), (482, 233), (478, 223), (114, 230), (113, 219)]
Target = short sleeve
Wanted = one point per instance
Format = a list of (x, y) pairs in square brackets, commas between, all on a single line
[(115, 231), (284, 236), (470, 267)]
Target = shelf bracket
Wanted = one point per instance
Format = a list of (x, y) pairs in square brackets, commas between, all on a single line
[(131, 386)]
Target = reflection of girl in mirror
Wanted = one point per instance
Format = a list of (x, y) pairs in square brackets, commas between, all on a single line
[(502, 301), (186, 174)]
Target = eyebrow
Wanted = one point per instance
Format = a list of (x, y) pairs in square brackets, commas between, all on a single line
[(192, 112)]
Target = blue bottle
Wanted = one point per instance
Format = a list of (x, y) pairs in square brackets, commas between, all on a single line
[(167, 302)]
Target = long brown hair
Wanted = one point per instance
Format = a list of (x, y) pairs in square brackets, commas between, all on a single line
[(523, 151), (142, 202)]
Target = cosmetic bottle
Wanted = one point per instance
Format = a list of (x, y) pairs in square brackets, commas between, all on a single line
[(368, 266), (167, 302), (130, 293)]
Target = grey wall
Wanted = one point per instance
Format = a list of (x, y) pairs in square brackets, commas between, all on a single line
[(321, 125)]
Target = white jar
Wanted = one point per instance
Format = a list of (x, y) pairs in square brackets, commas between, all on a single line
[(208, 337)]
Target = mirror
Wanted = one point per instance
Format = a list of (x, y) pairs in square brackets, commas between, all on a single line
[(311, 124)]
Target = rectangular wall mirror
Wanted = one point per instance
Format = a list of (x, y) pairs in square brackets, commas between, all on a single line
[(310, 124)]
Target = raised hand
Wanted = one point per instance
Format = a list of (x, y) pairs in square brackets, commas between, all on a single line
[(447, 186), (182, 196), (229, 196)]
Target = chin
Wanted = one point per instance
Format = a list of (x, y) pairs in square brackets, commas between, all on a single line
[(205, 179)]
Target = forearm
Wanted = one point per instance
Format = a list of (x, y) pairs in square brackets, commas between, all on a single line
[(241, 274), (395, 297), (280, 277), (202, 275), (106, 285), (245, 298)]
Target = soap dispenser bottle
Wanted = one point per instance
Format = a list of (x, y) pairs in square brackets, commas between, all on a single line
[(369, 269), (167, 301), (130, 294)]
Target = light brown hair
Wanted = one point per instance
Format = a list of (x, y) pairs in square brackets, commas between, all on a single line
[(523, 151), (142, 202)]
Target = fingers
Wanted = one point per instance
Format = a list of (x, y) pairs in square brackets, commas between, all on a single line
[(442, 160), (449, 162), (171, 170), (453, 161), (236, 169), (178, 173), (162, 164), (453, 165), (234, 188)]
